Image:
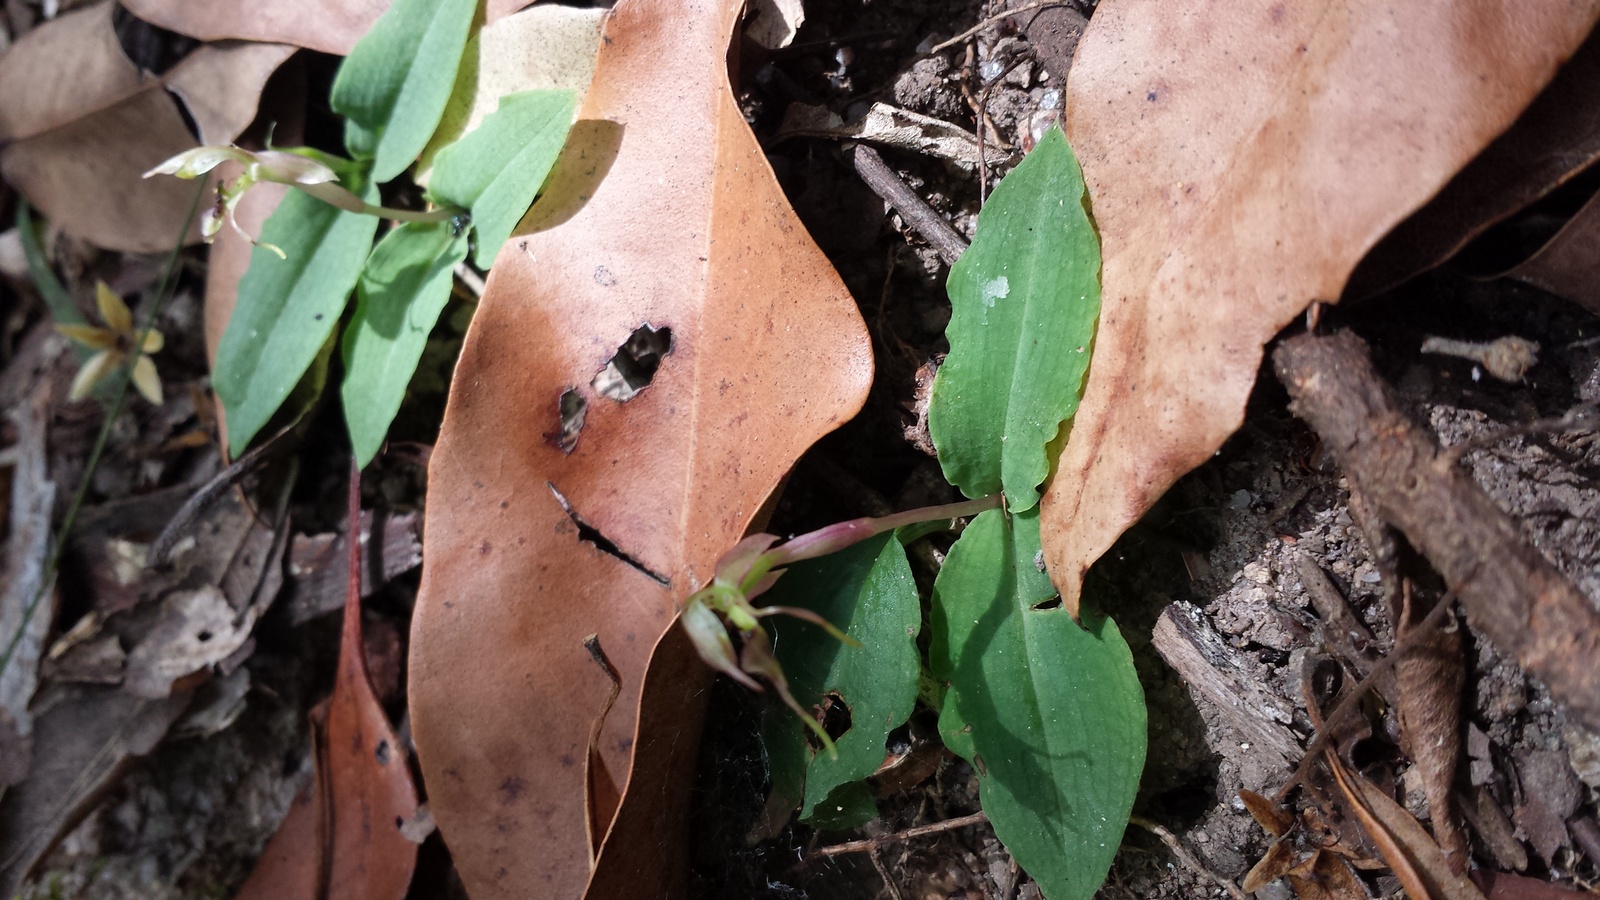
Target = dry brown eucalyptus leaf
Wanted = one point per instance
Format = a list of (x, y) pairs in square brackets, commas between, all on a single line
[(362, 795), (1241, 157), (80, 124), (662, 213), (1568, 265), (1556, 138), (331, 26)]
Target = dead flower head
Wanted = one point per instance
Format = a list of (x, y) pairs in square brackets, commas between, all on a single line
[(115, 341)]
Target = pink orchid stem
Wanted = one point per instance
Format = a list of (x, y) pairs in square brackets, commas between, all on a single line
[(836, 537)]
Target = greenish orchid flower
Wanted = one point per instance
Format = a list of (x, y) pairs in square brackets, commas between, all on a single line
[(302, 168), (752, 567)]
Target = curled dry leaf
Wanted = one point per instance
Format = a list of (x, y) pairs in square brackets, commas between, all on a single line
[(331, 26), (79, 124), (1241, 158), (1557, 137), (529, 548), (1406, 846), (1569, 264)]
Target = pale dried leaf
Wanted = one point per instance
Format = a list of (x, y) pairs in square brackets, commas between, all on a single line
[(1241, 158), (80, 125)]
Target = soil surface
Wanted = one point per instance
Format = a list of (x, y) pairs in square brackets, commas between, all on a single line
[(1216, 589)]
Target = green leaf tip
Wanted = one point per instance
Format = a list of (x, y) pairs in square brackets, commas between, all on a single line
[(497, 169), (288, 307), (1024, 301), (394, 85)]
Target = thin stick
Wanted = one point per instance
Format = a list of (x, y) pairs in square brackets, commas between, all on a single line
[(1352, 700), (995, 19), (983, 114), (883, 872), (470, 279), (1185, 857), (869, 844), (208, 493), (918, 214)]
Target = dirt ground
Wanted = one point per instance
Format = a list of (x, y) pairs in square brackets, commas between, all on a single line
[(1225, 568)]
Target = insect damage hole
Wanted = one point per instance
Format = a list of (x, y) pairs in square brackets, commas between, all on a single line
[(635, 364), (572, 410)]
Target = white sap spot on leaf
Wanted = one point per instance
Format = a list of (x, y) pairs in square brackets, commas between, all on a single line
[(997, 288)]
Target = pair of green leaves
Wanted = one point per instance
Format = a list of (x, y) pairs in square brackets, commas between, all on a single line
[(393, 89), (1049, 712)]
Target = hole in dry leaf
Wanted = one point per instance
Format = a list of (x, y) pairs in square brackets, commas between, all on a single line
[(382, 753), (635, 364), (204, 636), (1052, 603), (573, 410), (590, 534)]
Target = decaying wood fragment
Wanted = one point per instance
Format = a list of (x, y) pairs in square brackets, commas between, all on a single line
[(1201, 658), (1509, 591)]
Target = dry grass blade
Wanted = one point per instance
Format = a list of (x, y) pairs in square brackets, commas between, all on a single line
[(1406, 846)]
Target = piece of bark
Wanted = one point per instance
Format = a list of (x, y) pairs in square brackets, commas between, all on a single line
[(1200, 656), (1551, 793), (1492, 825), (1509, 591), (317, 569)]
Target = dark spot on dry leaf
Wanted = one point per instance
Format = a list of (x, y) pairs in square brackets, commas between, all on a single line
[(603, 276), (512, 788), (382, 753)]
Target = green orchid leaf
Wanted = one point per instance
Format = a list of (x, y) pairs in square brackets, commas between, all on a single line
[(394, 85), (496, 170), (1024, 300), (403, 289), (867, 591), (288, 307), (1050, 714)]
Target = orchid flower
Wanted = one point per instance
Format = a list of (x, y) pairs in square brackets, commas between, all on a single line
[(115, 341), (299, 168), (752, 567)]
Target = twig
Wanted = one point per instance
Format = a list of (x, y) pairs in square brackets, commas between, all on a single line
[(1519, 599), (983, 113), (208, 493), (868, 845), (470, 279), (993, 20), (1185, 857), (1578, 418), (918, 214), (883, 872), (1352, 700)]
